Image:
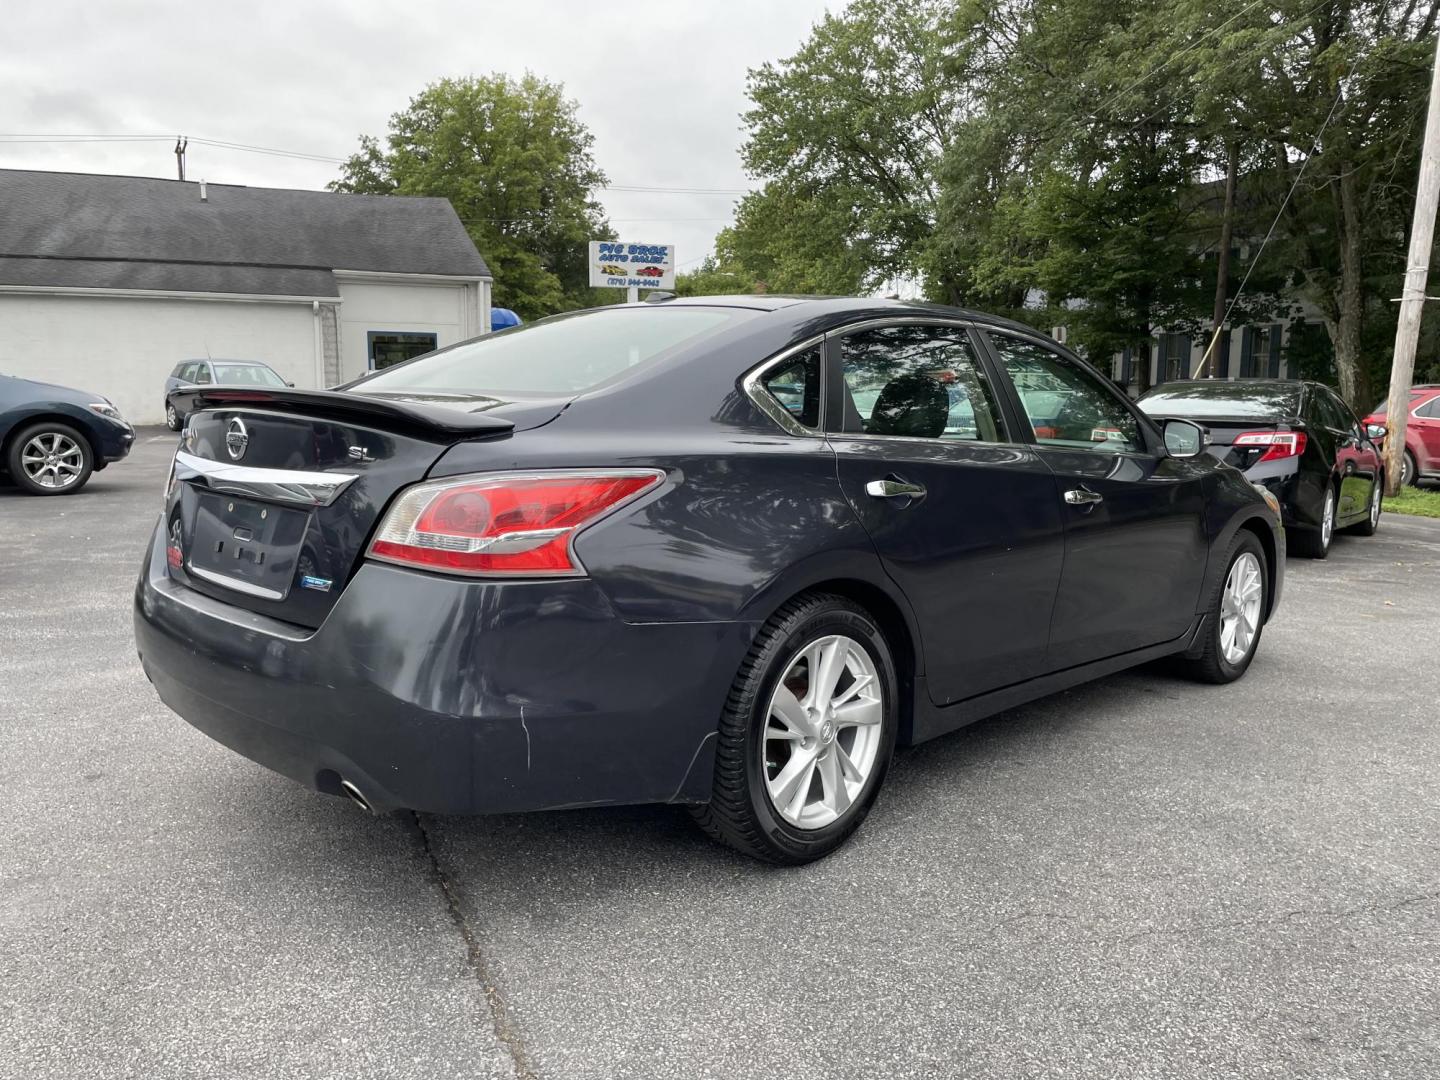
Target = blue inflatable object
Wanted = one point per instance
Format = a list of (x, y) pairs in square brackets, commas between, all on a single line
[(502, 318)]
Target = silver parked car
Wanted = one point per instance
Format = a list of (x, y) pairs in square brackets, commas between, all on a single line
[(215, 372)]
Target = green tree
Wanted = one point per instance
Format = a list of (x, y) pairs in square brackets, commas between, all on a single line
[(515, 162), (846, 134), (711, 278)]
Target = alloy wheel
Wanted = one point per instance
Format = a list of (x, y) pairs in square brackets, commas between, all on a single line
[(52, 460), (172, 418), (1377, 489), (1240, 608), (1327, 520), (822, 732)]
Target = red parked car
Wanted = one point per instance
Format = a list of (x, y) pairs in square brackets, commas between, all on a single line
[(1422, 434)]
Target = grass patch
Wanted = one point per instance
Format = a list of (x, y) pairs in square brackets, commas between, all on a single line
[(1421, 502)]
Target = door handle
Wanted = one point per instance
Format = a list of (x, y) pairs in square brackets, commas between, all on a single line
[(894, 489), (1083, 496)]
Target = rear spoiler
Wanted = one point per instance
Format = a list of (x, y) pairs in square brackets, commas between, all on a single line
[(403, 418)]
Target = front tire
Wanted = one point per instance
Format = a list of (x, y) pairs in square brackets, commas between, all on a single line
[(50, 459), (807, 733), (1236, 615), (1409, 471)]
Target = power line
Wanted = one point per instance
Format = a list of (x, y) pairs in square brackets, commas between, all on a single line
[(1284, 203), (275, 151)]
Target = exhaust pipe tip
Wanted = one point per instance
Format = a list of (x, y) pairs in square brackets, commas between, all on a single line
[(356, 796)]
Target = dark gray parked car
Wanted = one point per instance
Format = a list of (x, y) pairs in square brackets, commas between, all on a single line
[(723, 552), (214, 373)]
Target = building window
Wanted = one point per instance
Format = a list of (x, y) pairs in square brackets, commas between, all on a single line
[(386, 348), (1260, 352), (1174, 357)]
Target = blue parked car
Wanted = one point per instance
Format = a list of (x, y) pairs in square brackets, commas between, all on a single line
[(726, 552), (53, 438)]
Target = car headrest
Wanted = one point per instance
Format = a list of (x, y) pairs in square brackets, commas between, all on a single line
[(912, 404)]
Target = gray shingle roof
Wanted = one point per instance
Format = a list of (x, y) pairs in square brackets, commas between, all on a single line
[(88, 231)]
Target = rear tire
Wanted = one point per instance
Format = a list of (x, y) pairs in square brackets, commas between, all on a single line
[(1221, 660), (791, 788), (50, 459), (1315, 543), (172, 418)]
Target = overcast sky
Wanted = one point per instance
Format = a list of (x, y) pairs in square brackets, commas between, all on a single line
[(661, 92)]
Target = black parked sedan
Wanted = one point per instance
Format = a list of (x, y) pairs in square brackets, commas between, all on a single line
[(721, 552), (52, 438), (1298, 439)]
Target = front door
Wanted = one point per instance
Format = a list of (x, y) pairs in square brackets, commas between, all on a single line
[(1136, 542), (965, 518)]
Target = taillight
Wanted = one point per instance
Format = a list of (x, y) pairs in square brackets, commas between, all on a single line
[(504, 524), (1277, 444)]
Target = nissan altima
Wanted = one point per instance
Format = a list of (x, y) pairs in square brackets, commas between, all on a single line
[(728, 553)]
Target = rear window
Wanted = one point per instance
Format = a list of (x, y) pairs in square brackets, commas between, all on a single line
[(1268, 401), (246, 375), (563, 355)]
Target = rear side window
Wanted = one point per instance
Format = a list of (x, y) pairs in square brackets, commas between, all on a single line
[(917, 381), (1430, 410), (562, 355), (202, 374), (1066, 405), (795, 385)]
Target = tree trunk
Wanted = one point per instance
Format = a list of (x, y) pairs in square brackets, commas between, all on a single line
[(1350, 299), (1144, 342), (1214, 363)]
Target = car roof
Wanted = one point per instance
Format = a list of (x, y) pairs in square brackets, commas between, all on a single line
[(837, 307), (223, 360)]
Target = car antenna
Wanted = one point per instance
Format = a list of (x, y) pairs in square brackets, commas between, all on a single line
[(658, 297)]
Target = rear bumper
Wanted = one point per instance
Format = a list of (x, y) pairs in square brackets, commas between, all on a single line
[(449, 696)]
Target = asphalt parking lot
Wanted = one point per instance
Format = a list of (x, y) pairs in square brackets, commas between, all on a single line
[(1139, 878)]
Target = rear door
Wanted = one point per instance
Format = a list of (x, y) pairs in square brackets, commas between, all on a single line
[(1356, 463), (1135, 536), (965, 517)]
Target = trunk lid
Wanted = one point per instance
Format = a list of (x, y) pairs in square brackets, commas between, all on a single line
[(1224, 430), (276, 492)]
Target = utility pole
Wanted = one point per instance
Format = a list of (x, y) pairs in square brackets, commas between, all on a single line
[(1222, 261), (1412, 297), (181, 142)]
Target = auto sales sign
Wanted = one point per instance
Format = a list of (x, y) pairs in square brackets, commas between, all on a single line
[(615, 264)]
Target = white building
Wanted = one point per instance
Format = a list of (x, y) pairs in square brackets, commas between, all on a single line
[(107, 282)]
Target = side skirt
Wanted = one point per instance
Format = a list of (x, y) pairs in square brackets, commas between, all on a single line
[(932, 720)]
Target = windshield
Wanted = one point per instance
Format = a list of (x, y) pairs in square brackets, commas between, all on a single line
[(563, 355), (246, 375), (1269, 401)]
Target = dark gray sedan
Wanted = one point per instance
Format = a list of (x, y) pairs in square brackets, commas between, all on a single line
[(723, 552)]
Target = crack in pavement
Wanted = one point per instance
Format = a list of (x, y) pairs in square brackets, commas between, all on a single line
[(501, 1022)]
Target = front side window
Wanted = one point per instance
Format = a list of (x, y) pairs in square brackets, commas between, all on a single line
[(202, 374), (1066, 405), (917, 381), (1430, 410), (795, 385)]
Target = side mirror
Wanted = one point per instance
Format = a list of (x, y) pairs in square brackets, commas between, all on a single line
[(1184, 439), (1376, 431)]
